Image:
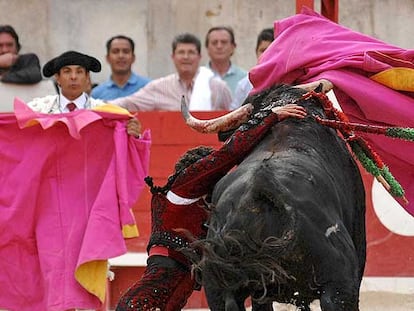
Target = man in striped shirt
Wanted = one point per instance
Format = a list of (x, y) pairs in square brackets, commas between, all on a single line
[(197, 84)]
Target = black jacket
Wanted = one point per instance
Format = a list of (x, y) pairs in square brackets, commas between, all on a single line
[(26, 70)]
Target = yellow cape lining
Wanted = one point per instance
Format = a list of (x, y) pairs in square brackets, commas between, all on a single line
[(92, 275), (399, 78), (112, 109)]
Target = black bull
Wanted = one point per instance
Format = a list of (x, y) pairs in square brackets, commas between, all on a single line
[(288, 223)]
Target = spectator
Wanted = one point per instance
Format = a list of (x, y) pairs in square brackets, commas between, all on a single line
[(123, 82), (179, 211), (197, 84), (15, 67), (244, 86), (220, 44)]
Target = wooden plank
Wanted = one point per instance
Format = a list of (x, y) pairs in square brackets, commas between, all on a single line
[(329, 9), (301, 3)]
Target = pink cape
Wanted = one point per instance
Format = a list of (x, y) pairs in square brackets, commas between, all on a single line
[(68, 182), (308, 47)]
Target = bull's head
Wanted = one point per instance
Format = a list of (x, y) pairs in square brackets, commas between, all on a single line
[(226, 124)]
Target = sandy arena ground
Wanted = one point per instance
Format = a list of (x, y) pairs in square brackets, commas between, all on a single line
[(369, 301)]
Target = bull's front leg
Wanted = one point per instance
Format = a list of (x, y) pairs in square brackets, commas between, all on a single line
[(261, 307), (334, 299), (215, 298), (225, 300)]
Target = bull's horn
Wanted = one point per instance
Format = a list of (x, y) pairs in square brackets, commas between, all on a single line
[(311, 86), (226, 122)]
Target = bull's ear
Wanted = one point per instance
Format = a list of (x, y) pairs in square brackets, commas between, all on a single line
[(319, 88)]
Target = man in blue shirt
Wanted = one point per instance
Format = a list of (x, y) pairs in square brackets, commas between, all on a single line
[(123, 82)]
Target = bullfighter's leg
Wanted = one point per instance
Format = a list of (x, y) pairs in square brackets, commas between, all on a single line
[(165, 285)]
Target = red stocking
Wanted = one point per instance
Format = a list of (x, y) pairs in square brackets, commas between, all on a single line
[(165, 285)]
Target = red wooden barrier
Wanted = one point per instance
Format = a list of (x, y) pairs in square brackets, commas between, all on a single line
[(389, 254), (329, 8)]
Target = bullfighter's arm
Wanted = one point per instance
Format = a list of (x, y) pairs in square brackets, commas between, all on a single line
[(199, 178)]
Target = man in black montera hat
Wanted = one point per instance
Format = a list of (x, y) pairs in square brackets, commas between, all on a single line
[(71, 71)]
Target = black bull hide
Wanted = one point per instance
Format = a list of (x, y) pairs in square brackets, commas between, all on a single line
[(288, 224)]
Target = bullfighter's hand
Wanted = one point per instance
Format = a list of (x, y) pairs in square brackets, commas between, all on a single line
[(134, 127), (289, 110), (326, 85)]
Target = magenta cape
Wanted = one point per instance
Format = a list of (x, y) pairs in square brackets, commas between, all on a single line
[(68, 182), (308, 47)]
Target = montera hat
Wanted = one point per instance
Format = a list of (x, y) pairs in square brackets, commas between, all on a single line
[(71, 58)]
